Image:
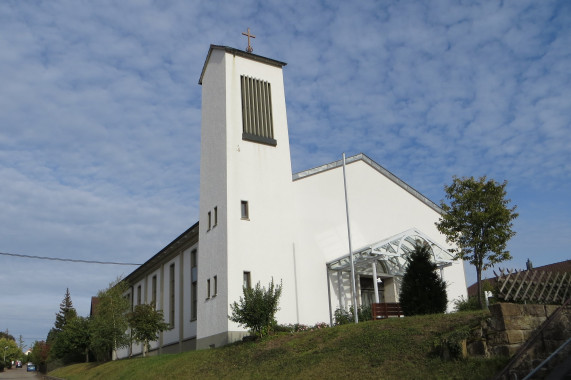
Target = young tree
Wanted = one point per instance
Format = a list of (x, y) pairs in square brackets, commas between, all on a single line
[(146, 323), (73, 342), (58, 346), (8, 350), (479, 221), (109, 324), (257, 309), (422, 290), (40, 354)]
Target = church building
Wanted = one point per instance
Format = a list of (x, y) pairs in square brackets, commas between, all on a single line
[(259, 222)]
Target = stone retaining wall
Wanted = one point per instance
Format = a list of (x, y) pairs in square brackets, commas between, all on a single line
[(511, 325)]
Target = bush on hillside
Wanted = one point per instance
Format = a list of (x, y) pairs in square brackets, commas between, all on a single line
[(257, 309), (422, 290)]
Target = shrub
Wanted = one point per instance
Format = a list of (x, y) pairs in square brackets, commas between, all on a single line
[(463, 304), (422, 291), (343, 317), (257, 309)]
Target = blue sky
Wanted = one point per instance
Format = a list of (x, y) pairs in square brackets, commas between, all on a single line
[(100, 119)]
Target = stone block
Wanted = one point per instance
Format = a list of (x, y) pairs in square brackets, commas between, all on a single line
[(496, 310), (476, 333), (534, 310), (497, 338), (550, 309), (496, 323), (477, 348), (511, 309), (463, 349), (505, 350), (523, 322), (515, 336), (527, 334)]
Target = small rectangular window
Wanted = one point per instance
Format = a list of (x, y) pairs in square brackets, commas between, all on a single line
[(209, 220), (139, 295), (247, 283), (215, 216), (208, 288), (244, 210), (215, 285)]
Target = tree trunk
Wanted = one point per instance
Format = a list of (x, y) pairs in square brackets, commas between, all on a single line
[(479, 287), (145, 344)]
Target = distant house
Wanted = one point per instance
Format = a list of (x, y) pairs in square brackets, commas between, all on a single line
[(563, 266), (259, 222)]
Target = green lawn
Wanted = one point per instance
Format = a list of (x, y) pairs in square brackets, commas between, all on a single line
[(398, 348)]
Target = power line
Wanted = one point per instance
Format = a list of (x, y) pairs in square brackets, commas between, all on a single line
[(68, 260)]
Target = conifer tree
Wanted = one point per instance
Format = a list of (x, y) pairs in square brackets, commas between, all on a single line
[(422, 290), (66, 312)]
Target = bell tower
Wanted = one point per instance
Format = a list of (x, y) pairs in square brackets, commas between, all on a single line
[(246, 201)]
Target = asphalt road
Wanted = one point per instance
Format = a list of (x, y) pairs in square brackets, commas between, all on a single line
[(19, 373)]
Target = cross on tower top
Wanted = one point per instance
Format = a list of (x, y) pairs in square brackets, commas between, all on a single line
[(249, 49)]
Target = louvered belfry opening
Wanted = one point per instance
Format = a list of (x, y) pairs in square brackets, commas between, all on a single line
[(257, 118)]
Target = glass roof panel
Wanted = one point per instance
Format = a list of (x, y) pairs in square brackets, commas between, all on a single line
[(392, 252)]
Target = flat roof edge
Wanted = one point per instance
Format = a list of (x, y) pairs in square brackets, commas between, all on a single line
[(240, 53)]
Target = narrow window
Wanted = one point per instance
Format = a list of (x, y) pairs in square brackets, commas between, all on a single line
[(209, 220), (193, 286), (139, 295), (208, 288), (171, 296), (247, 284), (154, 292), (215, 216), (128, 298), (215, 285), (244, 210)]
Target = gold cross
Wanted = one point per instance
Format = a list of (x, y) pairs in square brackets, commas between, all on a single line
[(249, 49)]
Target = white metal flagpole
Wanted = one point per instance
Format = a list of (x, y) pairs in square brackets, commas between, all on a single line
[(353, 292)]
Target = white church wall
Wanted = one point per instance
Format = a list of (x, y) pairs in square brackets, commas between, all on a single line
[(170, 336), (212, 312), (188, 325), (261, 175), (378, 208)]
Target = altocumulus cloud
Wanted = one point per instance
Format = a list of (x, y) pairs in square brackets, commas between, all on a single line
[(100, 119)]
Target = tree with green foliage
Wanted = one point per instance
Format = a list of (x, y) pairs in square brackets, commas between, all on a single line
[(73, 342), (422, 290), (108, 327), (257, 309), (66, 312), (6, 334), (146, 323), (9, 350), (40, 353), (478, 221), (59, 347)]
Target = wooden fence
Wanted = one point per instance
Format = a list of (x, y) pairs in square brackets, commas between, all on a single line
[(533, 286)]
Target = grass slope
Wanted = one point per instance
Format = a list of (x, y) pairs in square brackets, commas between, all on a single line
[(398, 348)]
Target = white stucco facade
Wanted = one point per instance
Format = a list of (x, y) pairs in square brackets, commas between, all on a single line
[(257, 221)]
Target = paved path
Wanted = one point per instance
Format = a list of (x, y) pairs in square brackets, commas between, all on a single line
[(18, 373)]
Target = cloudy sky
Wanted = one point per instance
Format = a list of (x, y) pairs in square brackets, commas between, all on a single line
[(100, 120)]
